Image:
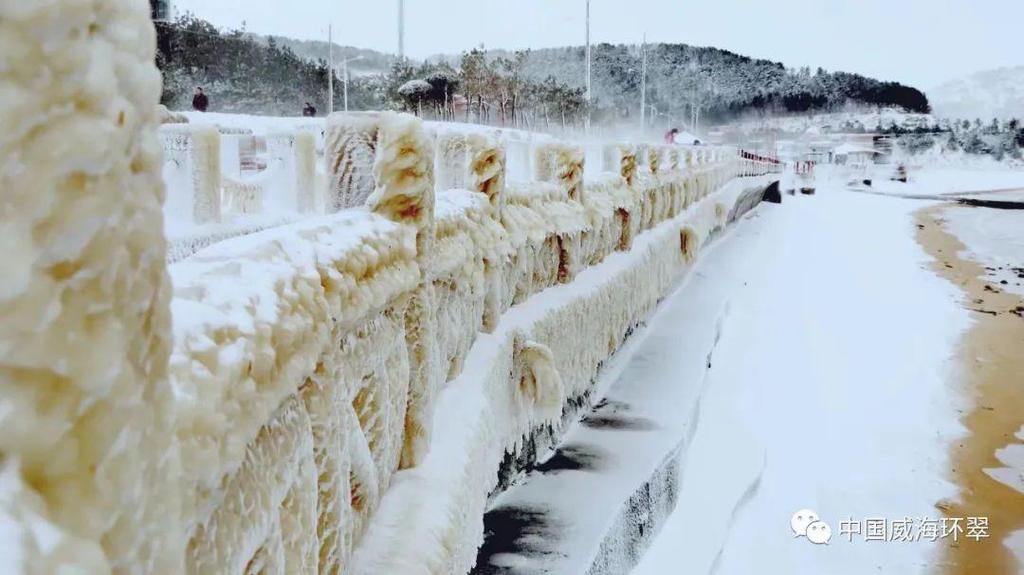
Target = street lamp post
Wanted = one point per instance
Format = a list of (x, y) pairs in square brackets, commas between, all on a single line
[(330, 73), (401, 29), (587, 124), (643, 88), (344, 75)]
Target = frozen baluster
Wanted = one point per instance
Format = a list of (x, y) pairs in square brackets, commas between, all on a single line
[(350, 148), (305, 172), (487, 175), (669, 158), (654, 159), (206, 174), (452, 164), (487, 169), (561, 163), (621, 159), (403, 173)]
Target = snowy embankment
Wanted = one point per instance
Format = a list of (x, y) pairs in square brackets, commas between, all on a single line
[(811, 406)]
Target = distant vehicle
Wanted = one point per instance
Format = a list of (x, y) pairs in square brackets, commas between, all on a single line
[(805, 178), (806, 184), (859, 184)]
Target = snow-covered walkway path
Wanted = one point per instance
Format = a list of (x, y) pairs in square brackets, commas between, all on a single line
[(830, 390)]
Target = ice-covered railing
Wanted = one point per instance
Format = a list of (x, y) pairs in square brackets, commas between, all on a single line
[(247, 409), (374, 309), (209, 198)]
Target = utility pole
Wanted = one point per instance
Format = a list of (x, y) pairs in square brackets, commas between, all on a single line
[(344, 77), (401, 29), (696, 114), (693, 110), (588, 69), (643, 87), (330, 71)]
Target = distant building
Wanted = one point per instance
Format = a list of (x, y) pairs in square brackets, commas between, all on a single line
[(160, 9)]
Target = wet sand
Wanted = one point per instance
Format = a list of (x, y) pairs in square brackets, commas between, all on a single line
[(991, 356)]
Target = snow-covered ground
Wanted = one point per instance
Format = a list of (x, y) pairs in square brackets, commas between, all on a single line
[(990, 182), (829, 391), (260, 125), (950, 180), (818, 124), (994, 239), (995, 93)]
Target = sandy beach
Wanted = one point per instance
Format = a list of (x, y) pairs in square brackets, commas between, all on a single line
[(991, 357)]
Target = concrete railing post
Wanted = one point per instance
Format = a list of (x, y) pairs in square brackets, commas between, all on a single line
[(393, 155), (621, 159), (451, 168), (89, 461), (654, 159), (487, 171), (206, 174), (562, 164), (305, 173), (350, 149), (673, 158)]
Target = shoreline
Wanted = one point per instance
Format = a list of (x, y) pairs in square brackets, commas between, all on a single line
[(991, 360)]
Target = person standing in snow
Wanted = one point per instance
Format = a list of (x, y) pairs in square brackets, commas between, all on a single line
[(670, 136), (309, 110), (199, 101)]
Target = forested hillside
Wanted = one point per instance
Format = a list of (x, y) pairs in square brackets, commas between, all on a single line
[(242, 73), (245, 73), (719, 83), (997, 93)]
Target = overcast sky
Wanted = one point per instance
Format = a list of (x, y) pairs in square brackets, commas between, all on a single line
[(920, 42)]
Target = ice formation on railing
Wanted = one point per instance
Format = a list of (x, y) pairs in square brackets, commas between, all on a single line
[(205, 180), (310, 363), (349, 155), (87, 462)]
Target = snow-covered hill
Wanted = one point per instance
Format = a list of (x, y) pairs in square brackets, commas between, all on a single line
[(853, 121), (990, 94)]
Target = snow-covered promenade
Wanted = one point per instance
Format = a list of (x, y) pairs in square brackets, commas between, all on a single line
[(863, 373)]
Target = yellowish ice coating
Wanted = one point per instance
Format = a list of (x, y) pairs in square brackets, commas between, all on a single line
[(262, 430), (84, 292)]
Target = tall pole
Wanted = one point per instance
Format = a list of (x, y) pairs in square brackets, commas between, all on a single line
[(401, 29), (588, 68), (693, 110), (696, 116), (643, 87), (330, 71)]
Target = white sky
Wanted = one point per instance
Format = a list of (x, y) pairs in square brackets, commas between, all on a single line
[(920, 42)]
